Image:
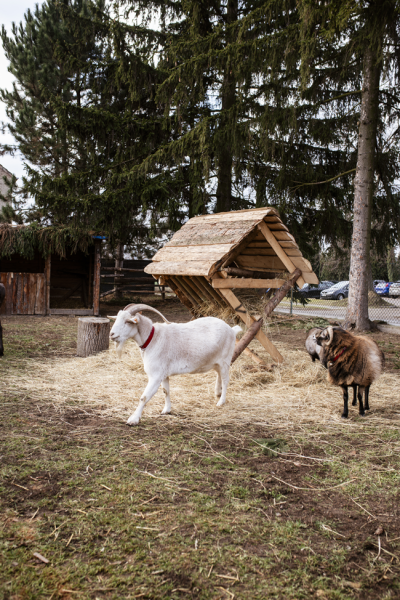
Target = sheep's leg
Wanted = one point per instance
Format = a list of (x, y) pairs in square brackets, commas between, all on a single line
[(360, 400), (151, 388), (224, 374), (167, 406), (354, 386), (345, 412), (218, 383), (367, 397)]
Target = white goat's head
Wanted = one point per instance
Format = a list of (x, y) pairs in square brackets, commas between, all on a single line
[(125, 327), (126, 324)]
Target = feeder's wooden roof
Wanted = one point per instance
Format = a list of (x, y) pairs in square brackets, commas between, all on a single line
[(206, 243)]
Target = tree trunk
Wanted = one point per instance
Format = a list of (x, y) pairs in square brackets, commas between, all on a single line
[(93, 336), (357, 310), (119, 263), (224, 152)]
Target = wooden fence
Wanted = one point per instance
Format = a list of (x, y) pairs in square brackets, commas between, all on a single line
[(129, 279)]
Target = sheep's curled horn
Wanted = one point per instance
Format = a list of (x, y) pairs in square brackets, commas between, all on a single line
[(135, 308)]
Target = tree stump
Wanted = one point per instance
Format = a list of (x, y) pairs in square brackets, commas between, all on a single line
[(93, 335)]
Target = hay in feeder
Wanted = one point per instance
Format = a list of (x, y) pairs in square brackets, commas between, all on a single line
[(292, 394)]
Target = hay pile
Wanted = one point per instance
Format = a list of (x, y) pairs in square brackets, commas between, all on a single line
[(293, 393)]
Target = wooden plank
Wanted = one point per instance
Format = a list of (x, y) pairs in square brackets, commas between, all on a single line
[(209, 233), (190, 267), (19, 281), (175, 286), (194, 290), (231, 256), (40, 302), (213, 252), (71, 311), (240, 215), (203, 292), (302, 263), (248, 320), (47, 275), (9, 294), (268, 252), (269, 236), (96, 278), (215, 296), (32, 293), (194, 299), (25, 295), (284, 236), (268, 263), (222, 284), (3, 305)]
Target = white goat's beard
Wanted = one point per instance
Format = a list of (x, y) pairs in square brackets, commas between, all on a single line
[(119, 347)]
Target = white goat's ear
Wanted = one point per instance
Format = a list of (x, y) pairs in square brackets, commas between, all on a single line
[(113, 318), (133, 320)]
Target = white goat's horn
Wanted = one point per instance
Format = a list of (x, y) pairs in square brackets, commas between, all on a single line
[(135, 308), (108, 317)]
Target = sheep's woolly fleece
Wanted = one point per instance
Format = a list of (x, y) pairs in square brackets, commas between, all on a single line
[(295, 392)]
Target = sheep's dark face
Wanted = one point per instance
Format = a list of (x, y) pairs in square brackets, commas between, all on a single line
[(325, 337)]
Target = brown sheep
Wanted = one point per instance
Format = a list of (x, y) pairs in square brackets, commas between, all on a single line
[(350, 360)]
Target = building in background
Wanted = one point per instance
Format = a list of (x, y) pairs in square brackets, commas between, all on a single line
[(3, 185)]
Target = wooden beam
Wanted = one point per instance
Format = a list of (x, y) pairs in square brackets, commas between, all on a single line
[(249, 320), (222, 284), (249, 274), (269, 236), (96, 278), (47, 274)]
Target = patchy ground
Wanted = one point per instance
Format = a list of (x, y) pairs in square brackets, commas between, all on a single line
[(175, 509)]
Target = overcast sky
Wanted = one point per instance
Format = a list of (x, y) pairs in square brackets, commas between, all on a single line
[(12, 10)]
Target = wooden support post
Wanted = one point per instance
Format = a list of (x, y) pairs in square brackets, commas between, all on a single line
[(96, 278), (246, 339), (119, 263), (272, 241), (281, 293), (181, 295), (47, 275), (255, 327)]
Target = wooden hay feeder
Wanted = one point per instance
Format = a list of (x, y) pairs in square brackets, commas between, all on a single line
[(213, 254)]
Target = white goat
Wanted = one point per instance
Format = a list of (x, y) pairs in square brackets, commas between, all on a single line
[(175, 348)]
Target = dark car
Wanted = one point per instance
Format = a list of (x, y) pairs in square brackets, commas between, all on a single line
[(336, 292), (314, 291)]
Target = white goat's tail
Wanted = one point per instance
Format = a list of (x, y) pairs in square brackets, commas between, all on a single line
[(237, 329)]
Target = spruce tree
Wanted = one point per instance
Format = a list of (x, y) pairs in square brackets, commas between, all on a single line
[(364, 36)]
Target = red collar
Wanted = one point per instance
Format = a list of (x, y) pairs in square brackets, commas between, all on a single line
[(147, 342), (340, 354)]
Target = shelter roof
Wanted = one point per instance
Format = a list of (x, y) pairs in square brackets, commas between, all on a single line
[(208, 242)]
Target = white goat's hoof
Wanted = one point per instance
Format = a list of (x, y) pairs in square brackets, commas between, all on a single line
[(221, 403), (166, 412), (133, 420)]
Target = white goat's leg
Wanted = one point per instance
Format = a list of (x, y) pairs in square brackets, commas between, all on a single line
[(218, 383), (151, 388), (167, 405), (224, 371)]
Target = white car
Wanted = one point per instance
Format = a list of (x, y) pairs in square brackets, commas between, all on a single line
[(394, 290)]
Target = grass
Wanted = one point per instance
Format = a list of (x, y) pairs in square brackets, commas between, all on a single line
[(179, 509)]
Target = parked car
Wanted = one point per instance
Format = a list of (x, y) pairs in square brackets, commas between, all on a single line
[(394, 289), (382, 289), (314, 291), (336, 292), (377, 282)]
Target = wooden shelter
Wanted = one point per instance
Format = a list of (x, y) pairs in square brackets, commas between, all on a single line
[(63, 282), (211, 255)]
